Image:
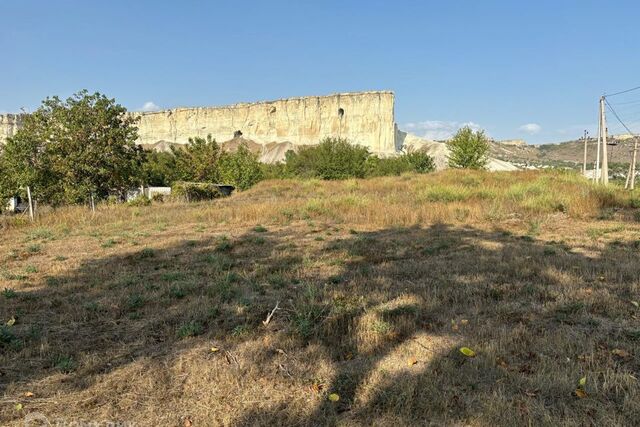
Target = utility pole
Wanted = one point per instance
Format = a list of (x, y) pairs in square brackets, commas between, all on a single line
[(584, 163), (603, 127), (633, 163), (596, 171)]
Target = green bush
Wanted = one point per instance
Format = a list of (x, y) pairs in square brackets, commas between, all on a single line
[(469, 149), (240, 169), (392, 166), (203, 160), (139, 201), (195, 191), (418, 162), (333, 158), (274, 171)]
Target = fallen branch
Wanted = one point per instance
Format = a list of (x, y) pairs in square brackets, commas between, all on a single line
[(266, 322)]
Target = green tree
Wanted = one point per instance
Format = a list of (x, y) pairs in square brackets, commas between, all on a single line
[(68, 150), (159, 169), (468, 149), (24, 163), (332, 158), (198, 160), (241, 169)]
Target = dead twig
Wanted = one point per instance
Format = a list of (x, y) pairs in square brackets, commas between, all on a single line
[(276, 308), (231, 358), (284, 370)]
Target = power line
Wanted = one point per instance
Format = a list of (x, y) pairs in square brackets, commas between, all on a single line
[(618, 117), (623, 91), (634, 101)]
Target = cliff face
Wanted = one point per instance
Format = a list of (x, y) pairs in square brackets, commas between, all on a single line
[(9, 125), (365, 118)]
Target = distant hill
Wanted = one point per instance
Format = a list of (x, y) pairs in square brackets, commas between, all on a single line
[(567, 153)]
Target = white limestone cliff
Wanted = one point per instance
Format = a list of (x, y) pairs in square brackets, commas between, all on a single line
[(365, 118)]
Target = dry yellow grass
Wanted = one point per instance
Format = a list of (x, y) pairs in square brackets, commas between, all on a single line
[(379, 284)]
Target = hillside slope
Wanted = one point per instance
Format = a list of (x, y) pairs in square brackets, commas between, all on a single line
[(567, 153)]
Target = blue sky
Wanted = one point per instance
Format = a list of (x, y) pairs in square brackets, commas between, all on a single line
[(518, 69)]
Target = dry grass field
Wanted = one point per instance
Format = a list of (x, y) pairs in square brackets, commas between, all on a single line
[(156, 315)]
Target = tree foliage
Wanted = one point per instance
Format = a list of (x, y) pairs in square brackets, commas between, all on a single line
[(468, 149), (418, 162), (203, 160), (68, 150), (199, 160), (332, 158), (240, 169), (195, 191), (338, 159), (159, 169)]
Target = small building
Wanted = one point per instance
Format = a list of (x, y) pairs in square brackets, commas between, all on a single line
[(16, 205), (148, 192)]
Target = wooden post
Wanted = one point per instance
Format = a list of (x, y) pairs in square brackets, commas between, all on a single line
[(596, 171), (628, 180), (93, 204), (584, 162), (30, 203), (605, 161)]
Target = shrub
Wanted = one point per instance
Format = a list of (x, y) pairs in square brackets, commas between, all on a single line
[(158, 198), (469, 149), (392, 166), (195, 191), (241, 169), (418, 162), (333, 158), (139, 201), (203, 160), (273, 171)]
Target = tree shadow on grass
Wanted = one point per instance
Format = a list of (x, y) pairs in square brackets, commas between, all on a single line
[(538, 315), (387, 310)]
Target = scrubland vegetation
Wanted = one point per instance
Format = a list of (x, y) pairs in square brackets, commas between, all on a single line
[(453, 298), (83, 149)]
